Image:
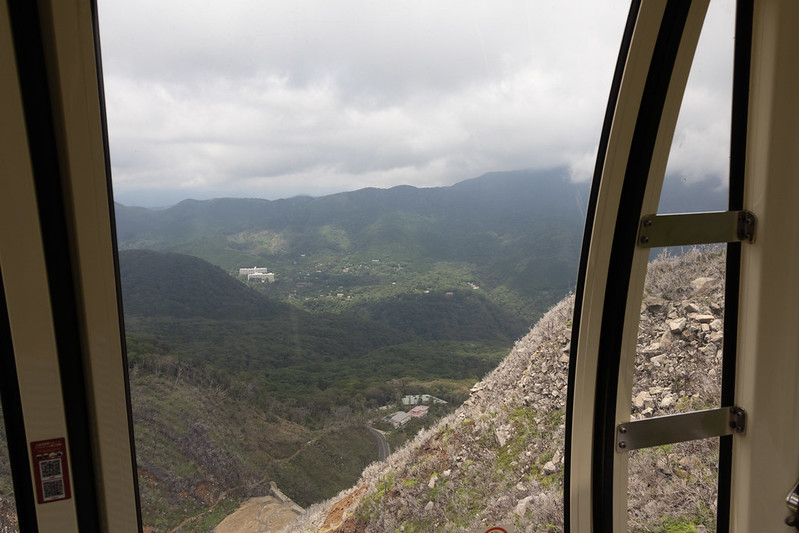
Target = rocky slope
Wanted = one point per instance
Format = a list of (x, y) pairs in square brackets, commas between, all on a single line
[(498, 460), (8, 511)]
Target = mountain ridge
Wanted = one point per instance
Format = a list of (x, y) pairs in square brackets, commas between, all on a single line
[(515, 234)]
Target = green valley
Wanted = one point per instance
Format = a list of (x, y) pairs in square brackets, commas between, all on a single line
[(181, 305)]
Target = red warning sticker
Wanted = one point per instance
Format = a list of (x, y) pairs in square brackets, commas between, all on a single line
[(50, 470)]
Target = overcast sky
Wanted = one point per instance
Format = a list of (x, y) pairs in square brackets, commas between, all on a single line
[(259, 98)]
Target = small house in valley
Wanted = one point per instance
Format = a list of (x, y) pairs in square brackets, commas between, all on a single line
[(419, 411), (400, 418)]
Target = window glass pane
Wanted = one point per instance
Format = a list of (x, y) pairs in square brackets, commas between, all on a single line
[(678, 370), (697, 173), (673, 487)]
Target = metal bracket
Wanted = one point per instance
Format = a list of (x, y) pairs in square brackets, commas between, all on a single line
[(746, 226), (696, 228), (660, 430)]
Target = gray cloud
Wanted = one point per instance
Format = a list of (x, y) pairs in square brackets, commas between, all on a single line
[(269, 99)]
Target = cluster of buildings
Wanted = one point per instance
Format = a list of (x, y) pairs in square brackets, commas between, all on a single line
[(400, 418), (257, 274)]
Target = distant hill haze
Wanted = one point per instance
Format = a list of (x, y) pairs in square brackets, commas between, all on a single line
[(515, 235), (518, 230)]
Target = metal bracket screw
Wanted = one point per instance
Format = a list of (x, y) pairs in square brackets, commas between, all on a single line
[(738, 419)]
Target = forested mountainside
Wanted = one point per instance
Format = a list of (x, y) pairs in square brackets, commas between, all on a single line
[(180, 304), (498, 460), (205, 440)]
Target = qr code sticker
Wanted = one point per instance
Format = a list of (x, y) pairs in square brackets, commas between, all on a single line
[(53, 490), (50, 468)]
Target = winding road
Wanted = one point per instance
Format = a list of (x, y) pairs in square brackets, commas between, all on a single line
[(382, 443)]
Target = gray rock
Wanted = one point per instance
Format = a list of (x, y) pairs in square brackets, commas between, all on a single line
[(640, 399), (658, 360), (521, 507), (477, 386), (676, 326), (690, 307), (701, 283), (656, 305), (652, 348), (666, 340)]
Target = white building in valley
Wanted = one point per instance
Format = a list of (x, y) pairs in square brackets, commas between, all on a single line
[(261, 276), (416, 399), (257, 274), (253, 270)]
